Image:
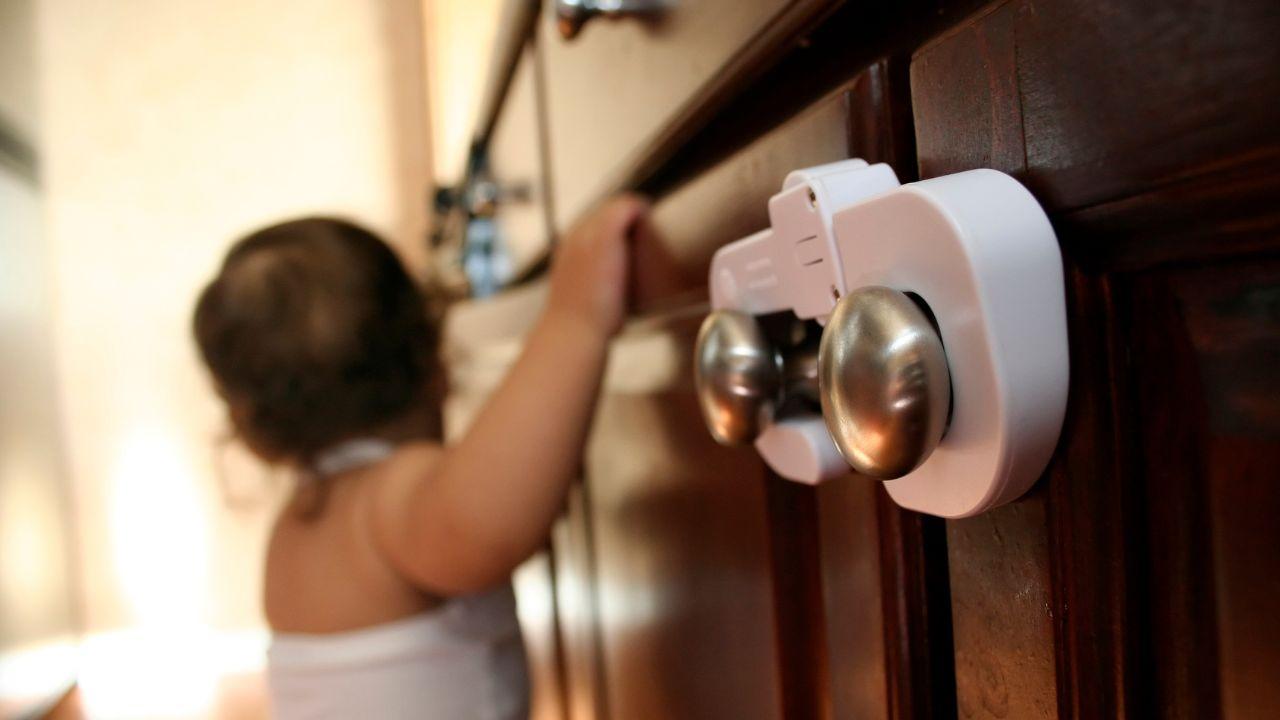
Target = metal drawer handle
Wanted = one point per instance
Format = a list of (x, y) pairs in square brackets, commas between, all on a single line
[(571, 15)]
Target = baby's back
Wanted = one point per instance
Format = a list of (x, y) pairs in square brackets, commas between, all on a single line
[(323, 572), (352, 637)]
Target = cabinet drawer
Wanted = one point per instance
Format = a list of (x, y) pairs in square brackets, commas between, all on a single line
[(618, 86)]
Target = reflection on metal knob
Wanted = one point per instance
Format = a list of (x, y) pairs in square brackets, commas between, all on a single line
[(571, 15), (885, 386), (739, 376)]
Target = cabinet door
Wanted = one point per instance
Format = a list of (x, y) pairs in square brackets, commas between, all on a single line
[(882, 570), (721, 590), (683, 565), (619, 86), (1132, 580), (854, 577), (680, 538)]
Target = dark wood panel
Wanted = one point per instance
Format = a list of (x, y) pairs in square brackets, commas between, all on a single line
[(1137, 578), (1210, 452), (799, 613), (1092, 101), (1092, 523), (1178, 597), (835, 574), (684, 580), (1227, 213), (1002, 621), (1148, 133), (883, 569), (853, 618), (919, 670), (853, 37), (731, 200), (919, 644)]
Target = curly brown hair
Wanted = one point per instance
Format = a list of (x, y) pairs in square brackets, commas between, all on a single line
[(314, 334)]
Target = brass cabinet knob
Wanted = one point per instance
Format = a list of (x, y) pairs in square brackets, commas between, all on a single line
[(884, 384), (739, 376), (571, 15)]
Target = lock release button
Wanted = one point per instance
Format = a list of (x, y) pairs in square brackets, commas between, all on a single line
[(809, 251)]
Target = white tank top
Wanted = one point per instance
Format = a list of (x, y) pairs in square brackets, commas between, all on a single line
[(461, 660)]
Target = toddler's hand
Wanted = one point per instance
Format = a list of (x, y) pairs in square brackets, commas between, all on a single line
[(589, 273)]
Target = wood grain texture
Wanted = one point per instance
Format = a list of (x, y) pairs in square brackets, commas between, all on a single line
[(919, 645), (1094, 101), (800, 618), (1178, 598), (888, 621), (1148, 134), (1136, 579), (1002, 619), (1091, 508), (730, 200), (828, 55), (1209, 454), (1217, 215), (854, 621), (680, 534)]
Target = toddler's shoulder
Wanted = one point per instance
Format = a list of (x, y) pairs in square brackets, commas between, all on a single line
[(408, 468)]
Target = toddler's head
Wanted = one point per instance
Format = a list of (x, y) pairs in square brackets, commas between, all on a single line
[(315, 334)]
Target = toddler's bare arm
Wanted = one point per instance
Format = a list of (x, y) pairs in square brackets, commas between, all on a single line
[(488, 502)]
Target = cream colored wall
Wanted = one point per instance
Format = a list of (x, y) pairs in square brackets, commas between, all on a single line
[(170, 128), (37, 612), (460, 36)]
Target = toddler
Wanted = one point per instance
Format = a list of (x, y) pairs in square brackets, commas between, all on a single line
[(387, 573)]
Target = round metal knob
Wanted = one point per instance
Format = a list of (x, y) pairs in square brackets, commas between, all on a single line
[(738, 375), (884, 384)]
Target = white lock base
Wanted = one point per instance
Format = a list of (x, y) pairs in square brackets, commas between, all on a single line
[(800, 449), (977, 247)]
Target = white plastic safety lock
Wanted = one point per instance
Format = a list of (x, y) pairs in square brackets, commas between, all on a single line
[(943, 361)]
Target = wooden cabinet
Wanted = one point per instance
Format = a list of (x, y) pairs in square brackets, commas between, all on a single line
[(515, 166), (619, 87), (679, 531), (1150, 138), (1138, 578)]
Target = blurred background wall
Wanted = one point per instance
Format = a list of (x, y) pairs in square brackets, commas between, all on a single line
[(460, 36), (164, 129), (38, 597)]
